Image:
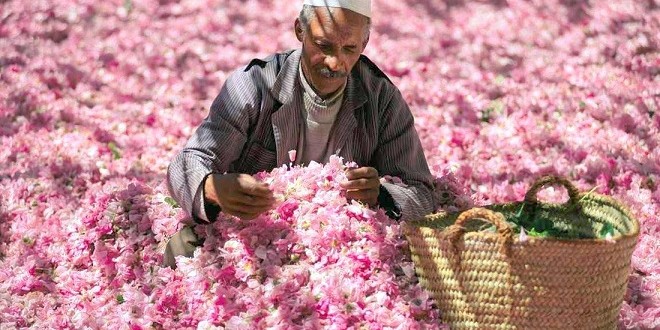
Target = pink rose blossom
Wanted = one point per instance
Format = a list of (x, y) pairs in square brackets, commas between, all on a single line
[(292, 155)]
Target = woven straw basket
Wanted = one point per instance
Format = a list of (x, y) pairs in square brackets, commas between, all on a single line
[(483, 276)]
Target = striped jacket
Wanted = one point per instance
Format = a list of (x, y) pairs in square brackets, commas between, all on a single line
[(256, 120)]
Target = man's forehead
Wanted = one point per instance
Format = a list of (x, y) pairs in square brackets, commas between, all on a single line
[(337, 23)]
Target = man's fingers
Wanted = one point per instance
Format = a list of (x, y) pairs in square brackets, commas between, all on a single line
[(259, 190), (250, 186), (362, 194), (250, 200), (362, 172), (360, 184), (247, 207)]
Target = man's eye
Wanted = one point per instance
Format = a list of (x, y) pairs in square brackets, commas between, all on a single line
[(349, 50), (325, 47)]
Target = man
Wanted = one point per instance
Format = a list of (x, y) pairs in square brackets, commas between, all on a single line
[(326, 98)]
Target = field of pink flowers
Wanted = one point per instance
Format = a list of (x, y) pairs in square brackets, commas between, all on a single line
[(96, 97)]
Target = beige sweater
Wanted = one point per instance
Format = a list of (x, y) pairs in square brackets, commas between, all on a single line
[(318, 118)]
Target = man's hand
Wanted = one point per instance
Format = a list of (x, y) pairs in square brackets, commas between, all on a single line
[(363, 185), (240, 195)]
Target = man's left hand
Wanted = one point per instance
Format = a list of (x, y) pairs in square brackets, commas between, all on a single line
[(363, 185)]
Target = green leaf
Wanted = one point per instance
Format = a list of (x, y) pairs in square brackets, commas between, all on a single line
[(533, 232), (120, 299), (495, 107), (169, 200), (520, 212), (607, 229), (128, 5), (486, 115), (116, 154), (542, 224)]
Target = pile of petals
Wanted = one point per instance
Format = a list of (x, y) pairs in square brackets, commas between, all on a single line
[(74, 269), (314, 261)]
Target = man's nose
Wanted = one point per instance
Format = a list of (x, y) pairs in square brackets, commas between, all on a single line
[(334, 62)]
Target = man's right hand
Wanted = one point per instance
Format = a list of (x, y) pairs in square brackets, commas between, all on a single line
[(237, 194)]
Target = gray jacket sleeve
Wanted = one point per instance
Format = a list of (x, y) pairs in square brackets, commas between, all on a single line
[(214, 146), (400, 154)]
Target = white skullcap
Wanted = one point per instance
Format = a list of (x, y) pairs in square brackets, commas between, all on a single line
[(362, 7)]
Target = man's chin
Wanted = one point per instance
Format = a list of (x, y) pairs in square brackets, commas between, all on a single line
[(331, 85)]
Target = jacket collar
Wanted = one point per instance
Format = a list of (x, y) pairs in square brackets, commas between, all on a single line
[(347, 118), (286, 84), (287, 89)]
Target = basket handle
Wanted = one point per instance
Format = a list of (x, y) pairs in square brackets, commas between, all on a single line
[(457, 230), (573, 193)]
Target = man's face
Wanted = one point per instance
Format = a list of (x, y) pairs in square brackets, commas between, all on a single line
[(331, 46)]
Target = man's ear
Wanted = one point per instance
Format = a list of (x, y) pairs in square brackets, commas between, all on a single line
[(364, 44), (297, 26)]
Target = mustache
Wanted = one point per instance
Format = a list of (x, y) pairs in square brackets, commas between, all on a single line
[(327, 73)]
